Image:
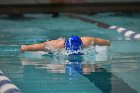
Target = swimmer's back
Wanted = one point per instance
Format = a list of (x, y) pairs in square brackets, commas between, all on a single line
[(55, 43)]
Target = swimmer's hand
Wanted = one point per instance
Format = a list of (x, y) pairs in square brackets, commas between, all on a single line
[(22, 49), (109, 44)]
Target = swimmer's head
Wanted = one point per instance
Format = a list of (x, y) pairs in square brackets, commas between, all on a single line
[(74, 43)]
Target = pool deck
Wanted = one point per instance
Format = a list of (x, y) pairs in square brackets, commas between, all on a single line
[(88, 8)]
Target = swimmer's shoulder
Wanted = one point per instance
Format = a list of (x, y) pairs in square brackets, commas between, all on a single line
[(56, 43), (88, 38)]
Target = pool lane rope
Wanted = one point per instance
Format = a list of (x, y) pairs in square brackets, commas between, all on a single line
[(6, 85), (125, 32)]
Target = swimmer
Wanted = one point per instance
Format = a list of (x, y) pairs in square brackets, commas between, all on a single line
[(74, 43)]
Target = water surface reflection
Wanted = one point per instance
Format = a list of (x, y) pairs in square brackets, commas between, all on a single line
[(74, 66)]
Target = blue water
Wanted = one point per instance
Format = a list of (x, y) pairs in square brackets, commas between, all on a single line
[(112, 70)]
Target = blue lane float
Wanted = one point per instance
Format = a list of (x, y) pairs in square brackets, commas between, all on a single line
[(6, 85), (125, 32)]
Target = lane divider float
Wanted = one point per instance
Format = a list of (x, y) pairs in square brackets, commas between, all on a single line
[(125, 32), (6, 85)]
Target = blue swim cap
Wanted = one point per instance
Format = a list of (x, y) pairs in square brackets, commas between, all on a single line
[(74, 43)]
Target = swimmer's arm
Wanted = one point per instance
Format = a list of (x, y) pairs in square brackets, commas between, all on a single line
[(99, 41), (34, 47), (57, 44)]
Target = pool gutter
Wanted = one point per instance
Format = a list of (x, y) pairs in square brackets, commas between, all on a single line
[(87, 8)]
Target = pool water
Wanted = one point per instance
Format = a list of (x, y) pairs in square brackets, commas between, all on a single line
[(112, 69)]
